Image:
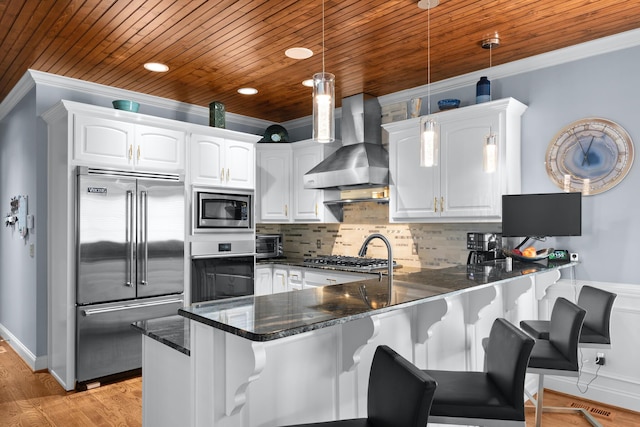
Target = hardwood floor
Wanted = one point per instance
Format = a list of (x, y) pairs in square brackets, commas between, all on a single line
[(36, 399)]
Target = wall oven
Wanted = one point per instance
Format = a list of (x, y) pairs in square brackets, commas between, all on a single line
[(222, 269), (220, 210)]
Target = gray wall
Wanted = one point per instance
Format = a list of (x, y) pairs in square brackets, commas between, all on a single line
[(603, 86)]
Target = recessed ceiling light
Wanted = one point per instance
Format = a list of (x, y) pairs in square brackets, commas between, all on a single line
[(156, 67), (299, 53), (307, 83), (247, 91)]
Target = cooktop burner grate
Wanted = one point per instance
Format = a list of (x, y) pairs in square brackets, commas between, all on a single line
[(350, 263)]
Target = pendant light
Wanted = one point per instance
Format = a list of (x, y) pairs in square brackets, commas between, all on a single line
[(429, 132), (490, 148), (490, 153), (324, 86)]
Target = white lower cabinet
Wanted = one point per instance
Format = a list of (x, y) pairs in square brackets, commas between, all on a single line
[(280, 280), (314, 278), (263, 280), (283, 278), (458, 187)]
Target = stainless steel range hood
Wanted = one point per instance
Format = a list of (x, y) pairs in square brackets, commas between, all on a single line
[(362, 161)]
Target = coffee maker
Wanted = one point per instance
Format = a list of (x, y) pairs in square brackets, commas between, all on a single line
[(484, 247)]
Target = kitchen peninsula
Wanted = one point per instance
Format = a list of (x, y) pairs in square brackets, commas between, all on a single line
[(304, 356)]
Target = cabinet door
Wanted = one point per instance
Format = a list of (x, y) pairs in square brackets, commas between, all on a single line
[(103, 141), (263, 281), (206, 165), (274, 168), (280, 280), (159, 149), (466, 190), (240, 164), (414, 190), (307, 203), (295, 280)]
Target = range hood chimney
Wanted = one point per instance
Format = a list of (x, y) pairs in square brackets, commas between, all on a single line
[(362, 161)]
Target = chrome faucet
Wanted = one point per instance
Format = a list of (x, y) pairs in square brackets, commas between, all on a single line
[(363, 252)]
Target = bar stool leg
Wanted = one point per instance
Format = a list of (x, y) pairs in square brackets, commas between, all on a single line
[(539, 400)]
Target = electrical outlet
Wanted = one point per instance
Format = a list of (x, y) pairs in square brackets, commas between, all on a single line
[(414, 249), (319, 244), (574, 256), (600, 359)]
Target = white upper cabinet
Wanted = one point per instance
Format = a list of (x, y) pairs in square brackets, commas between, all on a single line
[(274, 183), (281, 193), (222, 161), (116, 142), (457, 188)]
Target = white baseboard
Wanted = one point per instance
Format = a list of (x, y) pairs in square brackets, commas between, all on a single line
[(35, 363)]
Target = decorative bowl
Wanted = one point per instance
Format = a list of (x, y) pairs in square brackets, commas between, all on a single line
[(542, 254), (275, 133), (448, 104), (125, 105)]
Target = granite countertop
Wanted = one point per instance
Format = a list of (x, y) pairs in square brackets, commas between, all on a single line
[(269, 317), (170, 330)]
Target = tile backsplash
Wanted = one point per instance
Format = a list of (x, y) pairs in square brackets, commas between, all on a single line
[(414, 245)]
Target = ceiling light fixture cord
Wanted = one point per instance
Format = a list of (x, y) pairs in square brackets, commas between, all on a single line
[(429, 62), (323, 36)]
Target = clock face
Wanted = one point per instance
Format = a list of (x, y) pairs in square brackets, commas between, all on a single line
[(590, 155)]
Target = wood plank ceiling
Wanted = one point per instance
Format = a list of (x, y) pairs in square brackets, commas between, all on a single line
[(215, 47)]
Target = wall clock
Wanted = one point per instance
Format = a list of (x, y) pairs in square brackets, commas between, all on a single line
[(591, 155)]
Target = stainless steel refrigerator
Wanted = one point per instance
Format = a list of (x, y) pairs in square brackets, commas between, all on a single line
[(130, 264)]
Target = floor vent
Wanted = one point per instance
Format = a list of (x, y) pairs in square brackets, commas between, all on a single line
[(593, 410)]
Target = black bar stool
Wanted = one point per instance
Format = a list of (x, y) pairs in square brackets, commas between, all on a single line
[(559, 354), (595, 332), (399, 394), (494, 397)]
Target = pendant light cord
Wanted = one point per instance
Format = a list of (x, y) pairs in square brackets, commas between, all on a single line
[(429, 61), (323, 38)]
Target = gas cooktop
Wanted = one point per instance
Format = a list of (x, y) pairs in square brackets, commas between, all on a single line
[(349, 263)]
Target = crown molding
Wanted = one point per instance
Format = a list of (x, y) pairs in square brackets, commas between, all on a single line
[(33, 78), (557, 57)]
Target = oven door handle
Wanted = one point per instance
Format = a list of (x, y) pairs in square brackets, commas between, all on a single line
[(223, 255)]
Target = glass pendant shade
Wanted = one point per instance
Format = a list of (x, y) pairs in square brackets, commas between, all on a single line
[(428, 142), (324, 129), (490, 154)]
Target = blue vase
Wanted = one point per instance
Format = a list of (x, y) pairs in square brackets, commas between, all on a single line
[(483, 90)]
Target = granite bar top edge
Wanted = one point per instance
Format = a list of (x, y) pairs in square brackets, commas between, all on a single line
[(519, 270), (172, 331)]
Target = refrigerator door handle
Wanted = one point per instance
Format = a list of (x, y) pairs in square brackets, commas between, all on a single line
[(130, 237), (143, 237), (94, 311)]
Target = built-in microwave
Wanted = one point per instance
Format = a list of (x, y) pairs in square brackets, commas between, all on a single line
[(220, 210)]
